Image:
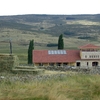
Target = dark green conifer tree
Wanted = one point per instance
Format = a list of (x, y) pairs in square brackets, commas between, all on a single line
[(60, 42), (30, 49)]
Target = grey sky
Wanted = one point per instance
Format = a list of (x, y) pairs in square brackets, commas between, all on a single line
[(16, 7)]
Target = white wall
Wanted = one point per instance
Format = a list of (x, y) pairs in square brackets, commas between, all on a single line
[(90, 55), (88, 63)]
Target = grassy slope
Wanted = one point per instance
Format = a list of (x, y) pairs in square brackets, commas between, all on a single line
[(45, 29)]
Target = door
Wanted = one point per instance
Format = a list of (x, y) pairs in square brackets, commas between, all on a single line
[(78, 64), (94, 63)]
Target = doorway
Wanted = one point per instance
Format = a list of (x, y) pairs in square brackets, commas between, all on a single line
[(78, 64), (94, 63)]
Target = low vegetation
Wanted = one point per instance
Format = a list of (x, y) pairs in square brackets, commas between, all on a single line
[(45, 30), (54, 86)]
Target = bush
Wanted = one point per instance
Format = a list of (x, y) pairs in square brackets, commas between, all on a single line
[(52, 45), (69, 33)]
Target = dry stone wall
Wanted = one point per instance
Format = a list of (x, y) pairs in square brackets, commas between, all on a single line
[(8, 62)]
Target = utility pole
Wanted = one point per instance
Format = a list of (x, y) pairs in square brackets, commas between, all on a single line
[(10, 42)]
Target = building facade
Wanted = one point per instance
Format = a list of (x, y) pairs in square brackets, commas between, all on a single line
[(90, 56), (86, 56)]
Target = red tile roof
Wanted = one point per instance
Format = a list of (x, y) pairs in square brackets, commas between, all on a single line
[(42, 56), (89, 46)]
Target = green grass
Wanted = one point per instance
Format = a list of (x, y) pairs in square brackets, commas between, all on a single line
[(45, 30), (71, 87)]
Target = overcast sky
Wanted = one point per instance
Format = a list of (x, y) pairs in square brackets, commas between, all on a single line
[(16, 7)]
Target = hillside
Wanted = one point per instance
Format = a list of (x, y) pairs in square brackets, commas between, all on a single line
[(45, 29)]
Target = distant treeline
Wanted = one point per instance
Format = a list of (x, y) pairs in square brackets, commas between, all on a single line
[(52, 45)]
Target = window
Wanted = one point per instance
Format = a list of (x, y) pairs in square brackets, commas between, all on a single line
[(40, 64), (58, 64), (65, 63), (87, 63), (85, 56), (94, 56), (51, 64)]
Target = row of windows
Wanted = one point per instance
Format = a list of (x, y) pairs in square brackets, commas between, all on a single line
[(93, 56), (87, 63)]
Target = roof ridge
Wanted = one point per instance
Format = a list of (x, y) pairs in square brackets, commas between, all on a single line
[(89, 45)]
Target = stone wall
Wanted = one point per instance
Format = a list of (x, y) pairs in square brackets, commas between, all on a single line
[(7, 62)]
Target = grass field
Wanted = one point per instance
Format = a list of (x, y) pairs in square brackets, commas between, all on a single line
[(65, 86), (45, 30)]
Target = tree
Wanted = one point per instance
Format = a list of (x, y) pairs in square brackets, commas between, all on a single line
[(30, 49), (60, 42)]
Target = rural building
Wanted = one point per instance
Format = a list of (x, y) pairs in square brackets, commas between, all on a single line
[(86, 56)]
